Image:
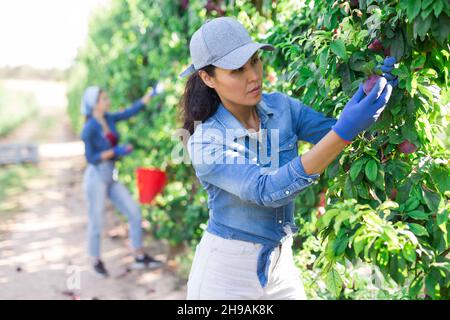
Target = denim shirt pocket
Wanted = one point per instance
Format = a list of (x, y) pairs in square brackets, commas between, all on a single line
[(288, 150)]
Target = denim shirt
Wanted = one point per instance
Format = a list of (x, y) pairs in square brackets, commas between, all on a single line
[(250, 198), (93, 136)]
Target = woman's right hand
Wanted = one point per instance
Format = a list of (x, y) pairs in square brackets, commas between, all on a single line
[(361, 112)]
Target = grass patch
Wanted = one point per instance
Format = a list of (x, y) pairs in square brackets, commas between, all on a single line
[(13, 180), (15, 109)]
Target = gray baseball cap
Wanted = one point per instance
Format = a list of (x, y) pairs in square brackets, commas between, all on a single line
[(223, 42)]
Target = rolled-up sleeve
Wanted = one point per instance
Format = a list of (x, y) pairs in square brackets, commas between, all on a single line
[(128, 112), (230, 171), (311, 126)]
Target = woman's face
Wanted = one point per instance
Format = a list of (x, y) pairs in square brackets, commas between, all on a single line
[(103, 103), (235, 86)]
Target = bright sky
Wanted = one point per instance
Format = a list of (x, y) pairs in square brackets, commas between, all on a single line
[(43, 33)]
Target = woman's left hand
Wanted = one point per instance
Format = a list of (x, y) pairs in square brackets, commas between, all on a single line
[(386, 68), (156, 90), (146, 99), (362, 111)]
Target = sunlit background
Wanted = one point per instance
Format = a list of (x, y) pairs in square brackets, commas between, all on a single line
[(45, 33)]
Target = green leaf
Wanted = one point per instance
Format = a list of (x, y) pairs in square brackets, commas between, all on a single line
[(426, 10), (418, 62), (310, 94), (309, 197), (440, 29), (343, 216), (349, 189), (444, 266), (429, 72), (411, 236), (326, 218), (344, 73), (338, 48), (397, 267), (398, 46), (426, 3), (425, 124), (395, 139), (412, 88), (340, 245), (413, 9), (421, 26), (333, 169), (431, 285), (441, 178), (438, 6), (357, 65), (323, 61), (356, 169), (415, 287), (418, 215), (388, 205), (334, 282), (368, 247), (390, 236), (359, 243), (409, 252), (382, 257), (411, 204), (398, 169), (371, 170), (417, 229), (441, 219), (432, 199), (379, 181), (361, 188), (404, 191)]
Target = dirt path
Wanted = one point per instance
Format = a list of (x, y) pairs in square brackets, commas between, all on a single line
[(43, 247)]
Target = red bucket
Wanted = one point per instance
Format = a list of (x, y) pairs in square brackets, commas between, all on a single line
[(150, 182)]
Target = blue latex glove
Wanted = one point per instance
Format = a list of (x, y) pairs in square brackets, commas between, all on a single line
[(122, 150), (361, 112), (386, 68), (157, 89)]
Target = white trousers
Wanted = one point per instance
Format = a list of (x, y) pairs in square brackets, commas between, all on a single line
[(225, 269)]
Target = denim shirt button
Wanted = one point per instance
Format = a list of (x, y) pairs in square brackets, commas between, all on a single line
[(280, 221), (287, 192)]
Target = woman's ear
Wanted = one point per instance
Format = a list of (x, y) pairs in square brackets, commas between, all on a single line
[(207, 79)]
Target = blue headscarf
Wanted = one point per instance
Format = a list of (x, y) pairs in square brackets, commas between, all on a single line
[(89, 100)]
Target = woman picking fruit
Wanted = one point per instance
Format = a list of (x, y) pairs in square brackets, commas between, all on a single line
[(246, 250), (102, 149)]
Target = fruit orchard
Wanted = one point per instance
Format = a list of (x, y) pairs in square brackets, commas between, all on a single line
[(376, 225)]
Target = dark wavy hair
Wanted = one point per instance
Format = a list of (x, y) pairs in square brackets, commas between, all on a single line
[(199, 102)]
